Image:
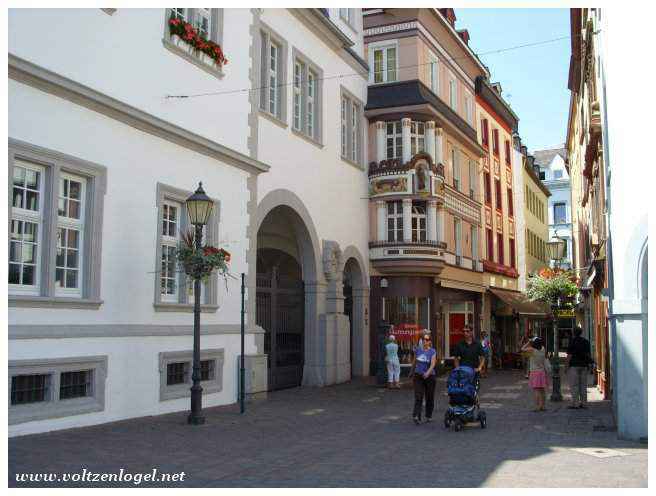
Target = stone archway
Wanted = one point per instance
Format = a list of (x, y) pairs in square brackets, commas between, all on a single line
[(356, 307), (284, 226)]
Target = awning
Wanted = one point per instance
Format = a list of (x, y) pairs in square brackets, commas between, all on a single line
[(520, 303), (448, 283)]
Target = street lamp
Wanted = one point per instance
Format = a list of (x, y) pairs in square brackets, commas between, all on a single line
[(556, 249), (199, 208)]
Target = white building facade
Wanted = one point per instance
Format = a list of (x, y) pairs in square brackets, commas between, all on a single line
[(555, 177), (100, 164)]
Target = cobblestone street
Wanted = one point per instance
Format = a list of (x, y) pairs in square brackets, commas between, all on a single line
[(354, 435)]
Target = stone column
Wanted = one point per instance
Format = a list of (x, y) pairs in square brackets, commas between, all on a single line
[(441, 221), (439, 146), (407, 219), (380, 141), (381, 225), (431, 220), (429, 139), (405, 136)]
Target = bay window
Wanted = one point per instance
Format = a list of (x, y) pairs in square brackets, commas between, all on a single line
[(394, 140), (418, 221), (417, 137), (384, 64), (394, 221)]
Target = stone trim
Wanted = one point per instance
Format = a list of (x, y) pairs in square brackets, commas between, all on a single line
[(56, 163), (121, 331), (33, 75), (54, 407), (253, 138), (213, 385)]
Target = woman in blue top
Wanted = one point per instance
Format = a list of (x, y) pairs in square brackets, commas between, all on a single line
[(424, 379)]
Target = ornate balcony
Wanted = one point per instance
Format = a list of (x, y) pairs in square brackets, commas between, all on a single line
[(402, 257), (420, 176)]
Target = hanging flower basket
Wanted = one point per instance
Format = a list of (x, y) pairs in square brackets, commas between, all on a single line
[(199, 264), (552, 285)]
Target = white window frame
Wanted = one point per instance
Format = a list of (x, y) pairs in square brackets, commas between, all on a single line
[(344, 126), (417, 137), (347, 16), (273, 94), (417, 216), (201, 14), (168, 241), (433, 73), (351, 118), (355, 131), (298, 95), (455, 164), (24, 215), (74, 225), (386, 70), (396, 137), (395, 215), (311, 107)]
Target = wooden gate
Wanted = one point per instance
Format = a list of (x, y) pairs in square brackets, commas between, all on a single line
[(280, 312)]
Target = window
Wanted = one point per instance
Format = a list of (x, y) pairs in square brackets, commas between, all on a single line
[(497, 191), (542, 175), (384, 64), (473, 178), (273, 63), (298, 91), (417, 136), (558, 174), (453, 94), (346, 15), (495, 142), (507, 151), (474, 243), (307, 104), (511, 245), (457, 236), (56, 387), (433, 73), (490, 244), (395, 221), (485, 133), (500, 248), (511, 209), (468, 109), (560, 213), (351, 124), (488, 191), (174, 291), (455, 163), (394, 140), (418, 221), (176, 373), (207, 22), (26, 225), (54, 239)]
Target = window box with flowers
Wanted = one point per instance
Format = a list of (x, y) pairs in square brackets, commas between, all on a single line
[(193, 34)]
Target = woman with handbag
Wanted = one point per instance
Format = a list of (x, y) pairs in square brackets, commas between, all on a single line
[(538, 371)]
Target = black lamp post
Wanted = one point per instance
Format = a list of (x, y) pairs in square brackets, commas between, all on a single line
[(556, 249), (199, 209)]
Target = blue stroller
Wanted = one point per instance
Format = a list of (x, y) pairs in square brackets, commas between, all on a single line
[(462, 386)]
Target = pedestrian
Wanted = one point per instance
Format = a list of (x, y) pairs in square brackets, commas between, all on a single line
[(469, 352), (423, 366), (537, 378), (393, 364), (578, 361), (487, 351)]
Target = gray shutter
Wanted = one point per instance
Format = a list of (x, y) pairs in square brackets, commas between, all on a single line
[(263, 70)]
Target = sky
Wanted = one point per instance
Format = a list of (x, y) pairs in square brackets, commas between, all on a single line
[(533, 79)]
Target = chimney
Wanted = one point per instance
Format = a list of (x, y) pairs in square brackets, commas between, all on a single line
[(496, 87), (464, 35), (449, 15)]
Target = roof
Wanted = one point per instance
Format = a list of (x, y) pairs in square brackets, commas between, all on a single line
[(489, 95), (544, 157)]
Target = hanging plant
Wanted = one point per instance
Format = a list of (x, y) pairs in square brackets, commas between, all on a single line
[(550, 285), (200, 263), (187, 33)]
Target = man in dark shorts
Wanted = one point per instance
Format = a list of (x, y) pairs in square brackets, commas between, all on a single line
[(469, 353)]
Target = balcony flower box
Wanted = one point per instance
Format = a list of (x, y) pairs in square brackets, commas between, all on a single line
[(185, 37)]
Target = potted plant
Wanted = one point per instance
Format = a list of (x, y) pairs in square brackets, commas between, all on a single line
[(199, 264), (552, 286), (185, 36)]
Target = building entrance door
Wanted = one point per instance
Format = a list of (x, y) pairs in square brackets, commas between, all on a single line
[(280, 312), (459, 315)]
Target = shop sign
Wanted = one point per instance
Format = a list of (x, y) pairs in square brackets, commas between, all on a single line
[(565, 313)]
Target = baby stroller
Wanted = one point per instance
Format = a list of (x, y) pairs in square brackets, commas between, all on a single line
[(462, 387)]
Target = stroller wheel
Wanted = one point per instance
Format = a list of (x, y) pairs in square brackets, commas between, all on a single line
[(458, 425), (482, 417)]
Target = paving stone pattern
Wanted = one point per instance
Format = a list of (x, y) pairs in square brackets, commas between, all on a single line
[(352, 435)]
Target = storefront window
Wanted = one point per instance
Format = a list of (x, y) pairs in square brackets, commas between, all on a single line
[(409, 316)]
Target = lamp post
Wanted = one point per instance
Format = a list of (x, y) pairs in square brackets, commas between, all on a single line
[(199, 208), (556, 249)]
